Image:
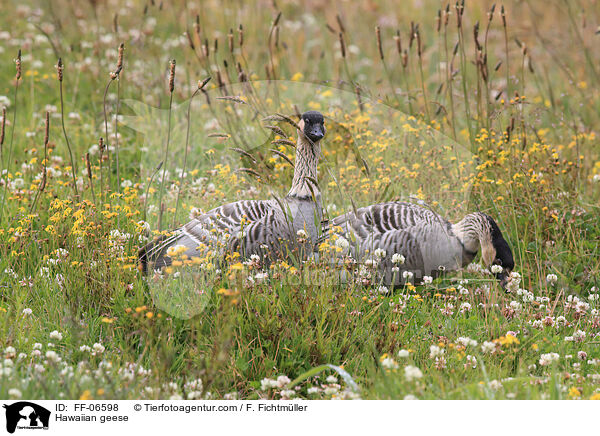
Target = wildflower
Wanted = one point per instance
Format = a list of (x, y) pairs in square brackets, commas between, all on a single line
[(551, 279), (56, 335), (548, 358), (14, 394), (398, 259), (52, 356), (412, 372), (85, 348), (495, 385), (410, 397), (427, 280), (488, 347), (465, 341), (283, 381), (382, 290), (403, 353), (389, 363), (581, 355), (407, 275), (313, 390), (267, 383), (331, 379), (10, 352), (379, 253), (342, 243), (465, 307), (496, 269), (98, 348), (435, 351), (27, 311)]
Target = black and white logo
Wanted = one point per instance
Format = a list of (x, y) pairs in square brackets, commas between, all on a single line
[(26, 415)]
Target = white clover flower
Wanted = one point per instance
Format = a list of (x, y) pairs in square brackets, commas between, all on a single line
[(331, 379), (427, 280), (389, 363), (14, 394), (410, 397), (403, 353), (55, 334), (465, 307), (581, 355), (435, 351), (301, 234), (282, 381), (98, 348), (10, 352), (398, 259), (52, 356), (382, 290), (495, 385), (551, 279), (27, 311), (342, 243), (488, 347), (412, 372), (548, 359), (467, 342), (407, 275), (313, 390), (267, 383), (379, 253), (496, 269)]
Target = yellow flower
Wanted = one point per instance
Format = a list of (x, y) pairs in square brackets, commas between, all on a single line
[(107, 320), (574, 392), (86, 395), (596, 396)]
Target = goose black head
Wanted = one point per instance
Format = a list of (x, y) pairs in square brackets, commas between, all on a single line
[(500, 253), (312, 125)]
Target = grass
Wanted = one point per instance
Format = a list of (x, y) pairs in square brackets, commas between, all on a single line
[(506, 124)]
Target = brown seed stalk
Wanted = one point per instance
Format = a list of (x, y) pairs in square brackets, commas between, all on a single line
[(379, 46), (172, 76)]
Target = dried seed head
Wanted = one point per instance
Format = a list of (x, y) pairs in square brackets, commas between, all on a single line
[(379, 46), (120, 58), (202, 83), (240, 36), (216, 45), (101, 145), (2, 127), (18, 65), (88, 166), (342, 45), (340, 23), (490, 14), (276, 36), (277, 18), (438, 20), (230, 40), (205, 48), (398, 42), (47, 129), (59, 69), (503, 15), (172, 76), (446, 15), (404, 58)]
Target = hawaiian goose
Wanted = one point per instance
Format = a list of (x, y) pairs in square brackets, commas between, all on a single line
[(415, 239), (268, 228)]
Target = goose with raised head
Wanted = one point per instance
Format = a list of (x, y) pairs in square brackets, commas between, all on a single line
[(268, 228), (415, 239)]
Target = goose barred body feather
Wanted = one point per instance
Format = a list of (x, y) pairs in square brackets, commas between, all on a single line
[(268, 228), (427, 241)]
